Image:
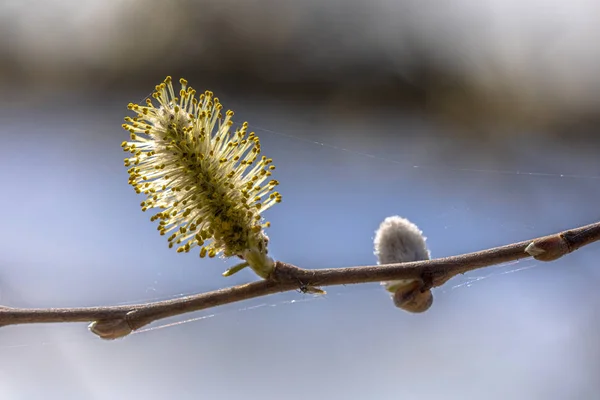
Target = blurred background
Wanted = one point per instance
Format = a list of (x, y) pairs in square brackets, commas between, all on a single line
[(475, 120)]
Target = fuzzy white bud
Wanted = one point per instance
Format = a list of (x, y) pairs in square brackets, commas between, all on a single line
[(396, 241)]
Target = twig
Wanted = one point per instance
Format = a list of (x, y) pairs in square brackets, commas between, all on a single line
[(118, 321)]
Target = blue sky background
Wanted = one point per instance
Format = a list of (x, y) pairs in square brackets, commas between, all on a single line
[(74, 236), (475, 121)]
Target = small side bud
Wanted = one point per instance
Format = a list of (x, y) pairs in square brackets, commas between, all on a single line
[(110, 329), (548, 249), (410, 297), (396, 241)]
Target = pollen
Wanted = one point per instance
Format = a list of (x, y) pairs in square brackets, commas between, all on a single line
[(203, 175)]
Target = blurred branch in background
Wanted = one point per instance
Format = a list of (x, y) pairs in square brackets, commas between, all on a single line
[(119, 321), (475, 64)]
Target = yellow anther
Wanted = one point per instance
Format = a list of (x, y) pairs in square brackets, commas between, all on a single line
[(198, 177)]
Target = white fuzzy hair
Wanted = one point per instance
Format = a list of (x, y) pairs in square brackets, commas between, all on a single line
[(398, 240)]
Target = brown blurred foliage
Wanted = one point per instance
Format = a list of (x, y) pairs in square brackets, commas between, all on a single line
[(476, 65)]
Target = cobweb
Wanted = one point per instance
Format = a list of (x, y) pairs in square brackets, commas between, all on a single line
[(462, 282), (459, 283)]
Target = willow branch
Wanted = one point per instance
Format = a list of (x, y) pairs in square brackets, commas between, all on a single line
[(118, 321)]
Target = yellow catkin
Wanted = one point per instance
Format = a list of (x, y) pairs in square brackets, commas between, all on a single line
[(203, 174)]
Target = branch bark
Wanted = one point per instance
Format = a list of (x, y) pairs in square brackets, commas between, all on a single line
[(117, 321)]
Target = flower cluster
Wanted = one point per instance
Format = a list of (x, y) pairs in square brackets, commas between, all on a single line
[(206, 179)]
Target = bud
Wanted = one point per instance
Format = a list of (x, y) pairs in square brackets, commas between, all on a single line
[(110, 329), (397, 241), (548, 249)]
